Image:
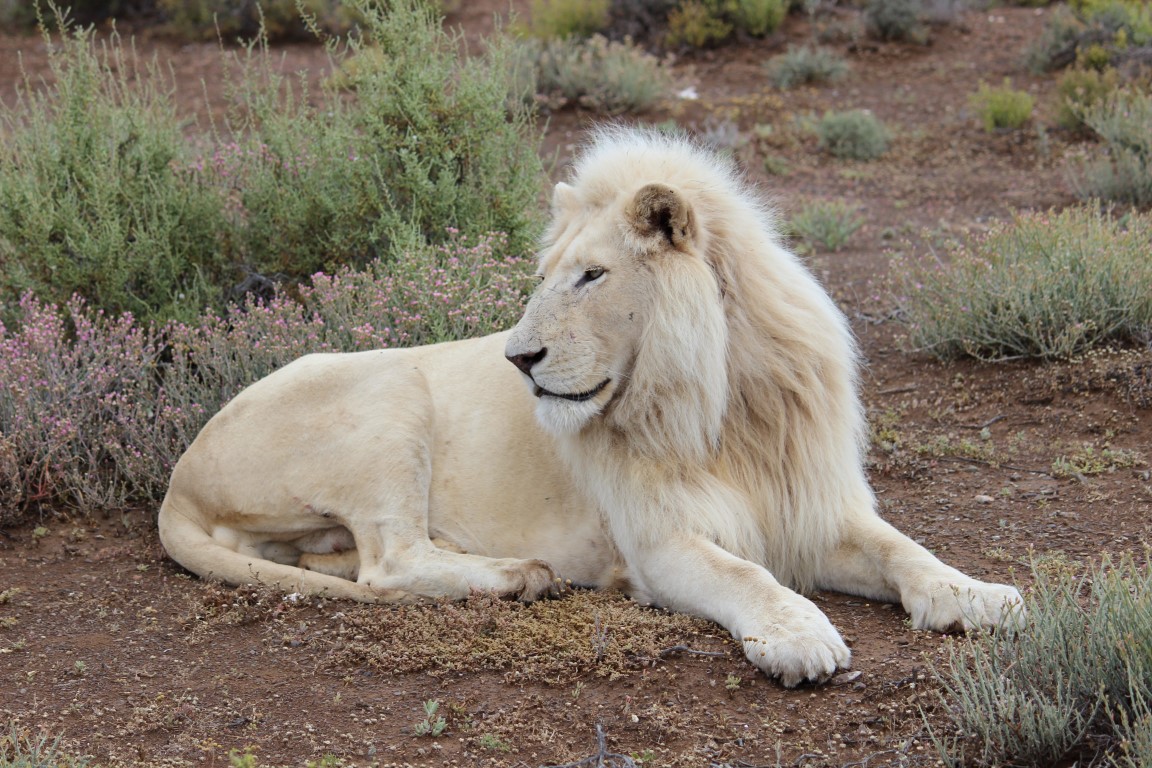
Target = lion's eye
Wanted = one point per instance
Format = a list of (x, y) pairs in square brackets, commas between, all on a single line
[(590, 275)]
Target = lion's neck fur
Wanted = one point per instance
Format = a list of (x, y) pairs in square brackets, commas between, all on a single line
[(741, 418)]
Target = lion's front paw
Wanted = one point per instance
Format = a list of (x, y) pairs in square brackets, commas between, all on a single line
[(965, 605), (804, 647)]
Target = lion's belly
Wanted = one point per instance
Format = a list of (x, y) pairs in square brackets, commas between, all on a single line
[(498, 487)]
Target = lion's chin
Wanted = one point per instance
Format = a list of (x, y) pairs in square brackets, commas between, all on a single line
[(563, 416)]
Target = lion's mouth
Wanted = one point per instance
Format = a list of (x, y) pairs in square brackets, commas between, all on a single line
[(578, 397)]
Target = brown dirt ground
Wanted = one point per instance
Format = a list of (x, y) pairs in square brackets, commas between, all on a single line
[(110, 645)]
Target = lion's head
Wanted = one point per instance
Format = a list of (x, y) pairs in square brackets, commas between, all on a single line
[(627, 324)]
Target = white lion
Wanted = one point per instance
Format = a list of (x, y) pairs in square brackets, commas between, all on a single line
[(690, 433)]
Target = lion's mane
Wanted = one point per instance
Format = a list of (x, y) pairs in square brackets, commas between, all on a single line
[(747, 371)]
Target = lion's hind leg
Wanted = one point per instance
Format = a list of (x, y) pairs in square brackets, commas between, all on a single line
[(389, 522), (875, 560)]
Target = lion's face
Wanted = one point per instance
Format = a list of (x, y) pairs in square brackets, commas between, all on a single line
[(577, 340)]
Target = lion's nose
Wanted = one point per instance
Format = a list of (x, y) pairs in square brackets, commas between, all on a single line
[(526, 360)]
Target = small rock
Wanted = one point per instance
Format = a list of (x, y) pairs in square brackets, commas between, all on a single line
[(982, 498), (845, 677)]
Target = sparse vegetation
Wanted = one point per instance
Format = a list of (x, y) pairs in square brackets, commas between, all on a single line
[(1043, 285), (433, 724), (1093, 33), (827, 225), (1123, 172), (1001, 108), (802, 65), (565, 19), (895, 20), (854, 135), (1077, 681), (598, 74)]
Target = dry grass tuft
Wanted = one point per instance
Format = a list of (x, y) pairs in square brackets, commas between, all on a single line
[(552, 641)]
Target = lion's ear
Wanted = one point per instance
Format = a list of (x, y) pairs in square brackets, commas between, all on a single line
[(563, 197), (658, 209)]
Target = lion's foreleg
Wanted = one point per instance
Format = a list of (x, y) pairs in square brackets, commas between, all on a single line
[(875, 560), (783, 633)]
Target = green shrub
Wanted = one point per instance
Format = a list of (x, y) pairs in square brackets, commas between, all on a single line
[(94, 198), (856, 135), (1001, 108), (1042, 285), (605, 76), (805, 64), (697, 24), (1123, 172), (272, 19), (701, 23), (562, 19), (826, 224), (757, 17), (1080, 90), (427, 143), (894, 20), (1076, 683)]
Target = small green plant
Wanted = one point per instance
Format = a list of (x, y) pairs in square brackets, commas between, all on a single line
[(563, 19), (895, 20), (1001, 108), (494, 743), (79, 667), (19, 748), (433, 724), (802, 65), (826, 224), (1077, 680), (1089, 461), (732, 683), (245, 758), (1047, 285), (1123, 172), (855, 135), (598, 74)]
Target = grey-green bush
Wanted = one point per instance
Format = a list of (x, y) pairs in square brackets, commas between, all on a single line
[(827, 225), (1046, 285), (1077, 680), (855, 135), (1123, 172), (804, 64), (894, 20), (606, 76)]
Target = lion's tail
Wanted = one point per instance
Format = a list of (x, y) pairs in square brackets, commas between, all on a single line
[(189, 544)]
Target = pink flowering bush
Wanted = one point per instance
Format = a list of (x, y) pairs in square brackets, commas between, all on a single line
[(1046, 285), (96, 410)]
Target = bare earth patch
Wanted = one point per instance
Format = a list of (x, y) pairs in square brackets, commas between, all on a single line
[(110, 645)]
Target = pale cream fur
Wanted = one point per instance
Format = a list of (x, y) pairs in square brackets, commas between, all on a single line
[(697, 441)]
